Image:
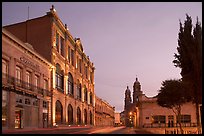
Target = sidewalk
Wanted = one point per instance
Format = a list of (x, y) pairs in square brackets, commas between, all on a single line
[(43, 129)]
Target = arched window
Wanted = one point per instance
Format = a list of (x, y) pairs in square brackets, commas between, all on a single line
[(91, 122), (78, 116), (91, 98), (85, 94), (59, 78), (70, 84), (78, 90), (85, 117), (58, 112), (70, 114)]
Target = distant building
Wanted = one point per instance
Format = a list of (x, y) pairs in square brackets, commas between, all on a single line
[(144, 112), (72, 72), (26, 89), (122, 118), (104, 113), (117, 119)]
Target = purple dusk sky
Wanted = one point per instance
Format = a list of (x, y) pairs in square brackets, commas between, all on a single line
[(122, 39)]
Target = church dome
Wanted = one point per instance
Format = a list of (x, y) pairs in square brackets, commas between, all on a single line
[(136, 82), (127, 90)]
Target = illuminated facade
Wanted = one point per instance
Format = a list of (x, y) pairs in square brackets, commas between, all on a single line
[(104, 113), (26, 96), (72, 73), (144, 112)]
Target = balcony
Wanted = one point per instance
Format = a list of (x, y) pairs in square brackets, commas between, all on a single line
[(9, 81), (165, 125)]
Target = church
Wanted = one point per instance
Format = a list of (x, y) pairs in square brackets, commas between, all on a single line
[(144, 112)]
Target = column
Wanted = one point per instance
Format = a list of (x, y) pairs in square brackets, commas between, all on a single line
[(11, 110), (40, 114)]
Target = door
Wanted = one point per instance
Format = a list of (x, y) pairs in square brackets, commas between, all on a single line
[(18, 117)]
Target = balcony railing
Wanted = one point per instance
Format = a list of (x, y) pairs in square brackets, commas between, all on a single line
[(12, 81), (164, 125)]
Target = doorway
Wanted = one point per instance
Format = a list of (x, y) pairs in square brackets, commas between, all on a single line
[(18, 118)]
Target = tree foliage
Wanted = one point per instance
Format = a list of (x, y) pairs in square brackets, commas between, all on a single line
[(173, 94), (189, 57)]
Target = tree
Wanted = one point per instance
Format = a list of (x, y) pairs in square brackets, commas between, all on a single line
[(173, 95), (189, 59)]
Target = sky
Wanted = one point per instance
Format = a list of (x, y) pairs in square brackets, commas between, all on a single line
[(123, 40)]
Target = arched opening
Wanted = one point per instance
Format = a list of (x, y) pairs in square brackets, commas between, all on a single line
[(59, 78), (70, 114), (85, 117), (78, 116), (91, 122), (91, 98), (85, 94), (78, 90), (70, 84), (58, 112)]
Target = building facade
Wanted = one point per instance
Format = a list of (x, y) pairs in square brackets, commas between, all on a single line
[(72, 72), (144, 112), (26, 95), (117, 119), (104, 113)]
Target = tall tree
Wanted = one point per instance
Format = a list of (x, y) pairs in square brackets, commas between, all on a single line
[(189, 59), (173, 95)]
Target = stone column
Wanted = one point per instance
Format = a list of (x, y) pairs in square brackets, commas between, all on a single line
[(40, 113), (11, 110)]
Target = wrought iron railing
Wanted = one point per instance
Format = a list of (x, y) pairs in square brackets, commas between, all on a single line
[(165, 125), (18, 83)]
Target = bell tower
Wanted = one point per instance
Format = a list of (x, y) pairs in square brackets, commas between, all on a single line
[(127, 98), (136, 91)]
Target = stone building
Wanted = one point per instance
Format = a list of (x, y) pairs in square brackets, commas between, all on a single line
[(144, 112), (72, 73), (117, 119), (104, 113), (26, 95)]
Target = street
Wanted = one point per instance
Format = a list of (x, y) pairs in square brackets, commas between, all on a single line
[(79, 130)]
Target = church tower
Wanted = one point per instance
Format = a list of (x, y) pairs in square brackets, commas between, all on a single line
[(127, 99), (136, 91)]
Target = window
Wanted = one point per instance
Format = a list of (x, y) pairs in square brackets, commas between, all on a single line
[(36, 81), (72, 57), (35, 102), (69, 55), (80, 68), (185, 119), (91, 101), (19, 98), (78, 90), (70, 84), (18, 75), (28, 79), (4, 69), (45, 104), (62, 46), (85, 94), (27, 101), (86, 72), (91, 77), (159, 119), (57, 41), (45, 84), (77, 60), (59, 78)]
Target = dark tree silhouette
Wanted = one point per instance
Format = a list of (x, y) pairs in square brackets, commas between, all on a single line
[(189, 59), (173, 95)]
